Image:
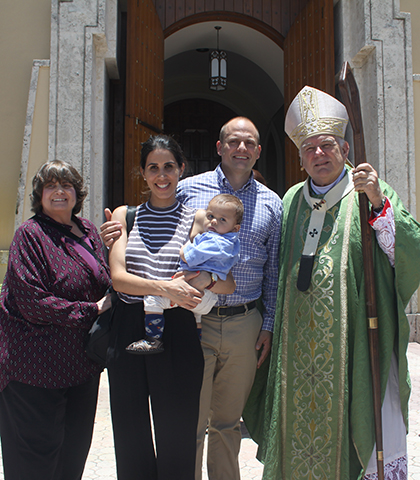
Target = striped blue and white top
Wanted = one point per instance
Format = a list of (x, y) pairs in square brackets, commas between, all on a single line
[(155, 241)]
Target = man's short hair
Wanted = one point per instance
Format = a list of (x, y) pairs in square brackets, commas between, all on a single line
[(222, 133)]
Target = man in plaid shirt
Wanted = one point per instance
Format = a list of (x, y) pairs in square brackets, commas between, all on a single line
[(234, 331)]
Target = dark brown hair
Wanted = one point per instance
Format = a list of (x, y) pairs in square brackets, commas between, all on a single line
[(259, 177), (224, 198), (162, 142), (59, 171)]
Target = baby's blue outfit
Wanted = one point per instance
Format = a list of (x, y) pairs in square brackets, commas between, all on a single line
[(212, 253)]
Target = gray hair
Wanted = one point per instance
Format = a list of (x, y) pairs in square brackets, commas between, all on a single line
[(339, 140)]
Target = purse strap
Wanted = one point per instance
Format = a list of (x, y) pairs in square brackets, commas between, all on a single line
[(129, 218)]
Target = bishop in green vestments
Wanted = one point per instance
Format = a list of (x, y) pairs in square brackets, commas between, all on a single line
[(313, 416)]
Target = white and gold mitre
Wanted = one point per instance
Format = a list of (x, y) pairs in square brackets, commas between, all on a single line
[(314, 112)]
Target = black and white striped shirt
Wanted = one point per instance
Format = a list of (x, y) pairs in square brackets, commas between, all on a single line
[(154, 242)]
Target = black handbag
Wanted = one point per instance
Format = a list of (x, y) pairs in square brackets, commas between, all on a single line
[(98, 338), (97, 341)]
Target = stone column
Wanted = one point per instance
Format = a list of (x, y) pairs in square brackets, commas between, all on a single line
[(83, 59), (375, 37)]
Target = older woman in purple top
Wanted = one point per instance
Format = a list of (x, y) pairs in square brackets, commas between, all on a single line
[(53, 291)]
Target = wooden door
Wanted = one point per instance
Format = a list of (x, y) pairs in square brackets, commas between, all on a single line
[(144, 91), (308, 60)]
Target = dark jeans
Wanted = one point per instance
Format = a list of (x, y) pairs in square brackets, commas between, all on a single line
[(173, 380), (46, 433)]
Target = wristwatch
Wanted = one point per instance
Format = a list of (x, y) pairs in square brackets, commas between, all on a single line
[(214, 279), (379, 209)]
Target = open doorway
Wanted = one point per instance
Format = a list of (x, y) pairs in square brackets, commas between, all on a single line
[(259, 53), (195, 124)]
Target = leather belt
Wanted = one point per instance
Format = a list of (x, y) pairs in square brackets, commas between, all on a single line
[(230, 311)]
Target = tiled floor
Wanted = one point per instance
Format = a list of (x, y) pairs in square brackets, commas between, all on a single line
[(101, 462)]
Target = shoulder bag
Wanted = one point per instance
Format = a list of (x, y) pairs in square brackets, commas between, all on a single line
[(97, 341)]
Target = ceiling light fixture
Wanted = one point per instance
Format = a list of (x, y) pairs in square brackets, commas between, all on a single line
[(218, 67)]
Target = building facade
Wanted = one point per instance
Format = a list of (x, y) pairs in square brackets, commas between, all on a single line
[(87, 80)]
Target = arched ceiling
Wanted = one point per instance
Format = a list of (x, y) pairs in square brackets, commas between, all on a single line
[(235, 38), (255, 68)]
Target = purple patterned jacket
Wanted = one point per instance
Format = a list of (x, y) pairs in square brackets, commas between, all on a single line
[(47, 305)]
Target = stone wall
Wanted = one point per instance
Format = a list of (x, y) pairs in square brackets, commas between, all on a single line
[(375, 37), (83, 59), (414, 320)]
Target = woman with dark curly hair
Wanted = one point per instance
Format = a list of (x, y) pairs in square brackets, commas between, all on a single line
[(54, 289)]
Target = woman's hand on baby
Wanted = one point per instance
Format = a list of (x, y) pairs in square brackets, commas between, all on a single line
[(181, 292), (198, 280)]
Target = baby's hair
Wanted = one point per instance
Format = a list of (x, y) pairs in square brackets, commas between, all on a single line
[(224, 198)]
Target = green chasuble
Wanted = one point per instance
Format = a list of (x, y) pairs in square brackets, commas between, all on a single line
[(313, 415)]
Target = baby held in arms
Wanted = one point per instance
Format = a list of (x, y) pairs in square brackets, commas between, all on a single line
[(213, 247)]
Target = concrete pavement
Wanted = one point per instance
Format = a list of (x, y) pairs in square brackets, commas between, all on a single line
[(101, 462), (413, 437)]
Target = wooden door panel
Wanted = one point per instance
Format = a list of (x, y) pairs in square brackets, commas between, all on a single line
[(308, 60), (144, 91)]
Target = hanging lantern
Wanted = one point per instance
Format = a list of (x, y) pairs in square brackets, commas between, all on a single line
[(218, 67)]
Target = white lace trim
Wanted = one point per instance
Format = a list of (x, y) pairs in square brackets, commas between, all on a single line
[(384, 226), (396, 470)]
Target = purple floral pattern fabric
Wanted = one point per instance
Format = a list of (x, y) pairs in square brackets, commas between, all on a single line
[(396, 470), (47, 306)]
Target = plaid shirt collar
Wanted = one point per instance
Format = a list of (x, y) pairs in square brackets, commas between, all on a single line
[(223, 181)]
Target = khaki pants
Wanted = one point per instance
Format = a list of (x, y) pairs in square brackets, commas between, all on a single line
[(230, 364)]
